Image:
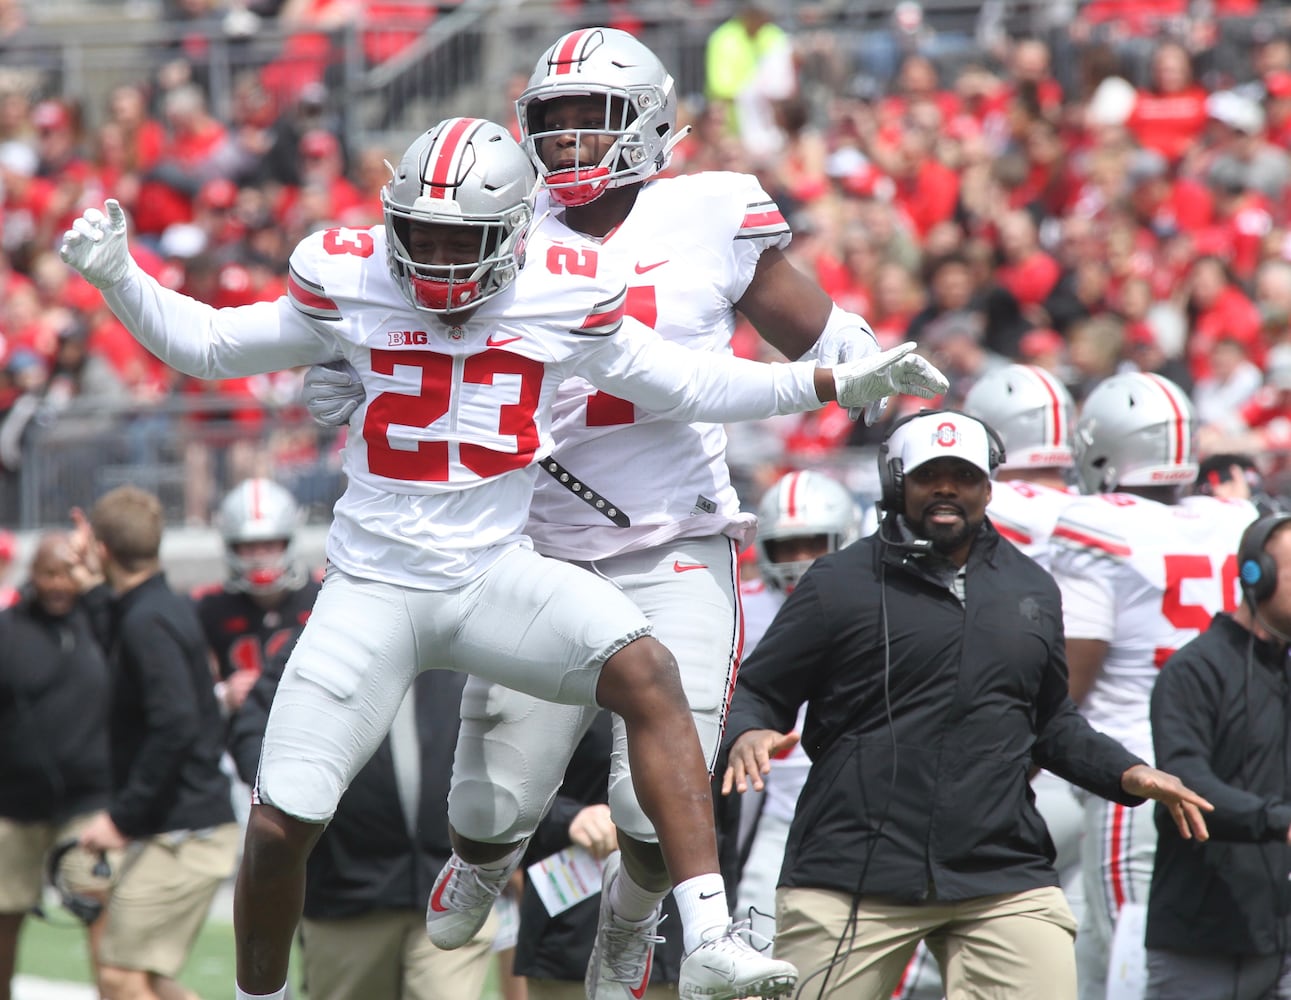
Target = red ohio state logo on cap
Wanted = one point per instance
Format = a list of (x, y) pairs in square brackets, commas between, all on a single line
[(947, 435)]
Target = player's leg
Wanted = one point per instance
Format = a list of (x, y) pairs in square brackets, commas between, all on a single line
[(337, 698), (22, 868), (562, 653)]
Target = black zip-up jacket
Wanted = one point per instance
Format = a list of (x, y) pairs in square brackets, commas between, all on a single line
[(366, 860), (53, 715), (1219, 722), (165, 727), (938, 805)]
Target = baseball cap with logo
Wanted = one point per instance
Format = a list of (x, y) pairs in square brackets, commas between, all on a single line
[(941, 435)]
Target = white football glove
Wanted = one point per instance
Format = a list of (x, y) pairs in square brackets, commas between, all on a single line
[(892, 373), (96, 246), (332, 392)]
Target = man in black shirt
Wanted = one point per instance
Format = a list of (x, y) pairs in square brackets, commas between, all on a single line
[(53, 740), (170, 802), (930, 656), (1219, 914)]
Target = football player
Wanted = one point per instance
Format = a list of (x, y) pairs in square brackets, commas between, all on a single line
[(1142, 570), (461, 352), (599, 121), (268, 593)]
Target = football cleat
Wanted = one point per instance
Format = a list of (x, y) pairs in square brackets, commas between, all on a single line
[(624, 951), (460, 903), (727, 967)]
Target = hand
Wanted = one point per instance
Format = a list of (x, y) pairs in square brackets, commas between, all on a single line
[(332, 392), (96, 246), (101, 834), (1185, 805), (894, 372), (841, 345), (83, 554), (235, 690), (750, 758), (593, 829)]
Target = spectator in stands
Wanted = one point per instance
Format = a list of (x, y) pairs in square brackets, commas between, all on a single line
[(1233, 379), (1168, 116), (749, 68), (951, 289), (170, 802), (363, 932), (54, 771), (1217, 307)]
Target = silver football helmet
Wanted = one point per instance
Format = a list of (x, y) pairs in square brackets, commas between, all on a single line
[(1033, 413), (259, 510), (462, 172), (800, 505), (640, 111), (1135, 429)]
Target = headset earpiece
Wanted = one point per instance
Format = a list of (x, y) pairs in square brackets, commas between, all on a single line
[(1256, 569)]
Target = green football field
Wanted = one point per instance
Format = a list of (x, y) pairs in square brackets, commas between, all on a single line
[(58, 953)]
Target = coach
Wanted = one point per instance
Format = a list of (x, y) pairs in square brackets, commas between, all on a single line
[(931, 659), (1218, 913)]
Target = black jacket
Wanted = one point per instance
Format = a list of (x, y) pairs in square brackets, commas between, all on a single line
[(936, 805), (1219, 721), (164, 724), (53, 715), (366, 859)]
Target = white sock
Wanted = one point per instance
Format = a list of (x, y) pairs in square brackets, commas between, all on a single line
[(701, 901), (501, 869), (631, 902), (275, 995)]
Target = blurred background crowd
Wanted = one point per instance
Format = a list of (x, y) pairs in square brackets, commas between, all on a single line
[(1085, 186)]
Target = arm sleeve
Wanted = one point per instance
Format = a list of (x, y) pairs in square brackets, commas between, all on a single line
[(1066, 743), (779, 675), (1186, 701), (171, 721), (680, 384), (205, 342)]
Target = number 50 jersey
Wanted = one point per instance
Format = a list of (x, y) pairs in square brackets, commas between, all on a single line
[(1145, 577)]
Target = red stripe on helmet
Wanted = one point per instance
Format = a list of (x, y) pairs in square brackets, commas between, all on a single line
[(1055, 409), (791, 500), (446, 147), (564, 59), (1180, 419)]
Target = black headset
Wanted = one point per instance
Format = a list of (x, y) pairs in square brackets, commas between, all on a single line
[(892, 475), (1257, 570), (84, 907)]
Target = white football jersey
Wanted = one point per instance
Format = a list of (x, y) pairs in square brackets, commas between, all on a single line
[(1025, 514), (759, 604), (441, 456), (1145, 577), (687, 253)]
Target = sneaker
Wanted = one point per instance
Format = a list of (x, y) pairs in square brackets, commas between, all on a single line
[(726, 967), (459, 903), (624, 951)]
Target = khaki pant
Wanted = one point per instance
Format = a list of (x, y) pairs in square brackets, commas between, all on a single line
[(1017, 946), (162, 896), (24, 849), (387, 955)]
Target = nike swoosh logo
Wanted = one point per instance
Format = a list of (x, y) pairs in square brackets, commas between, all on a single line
[(678, 567), (501, 343), (639, 990), (436, 898), (643, 268), (709, 895)]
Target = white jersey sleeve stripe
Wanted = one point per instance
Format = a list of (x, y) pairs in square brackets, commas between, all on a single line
[(605, 318), (761, 219), (1089, 540)]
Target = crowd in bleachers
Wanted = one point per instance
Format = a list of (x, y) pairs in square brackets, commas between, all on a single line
[(1134, 215)]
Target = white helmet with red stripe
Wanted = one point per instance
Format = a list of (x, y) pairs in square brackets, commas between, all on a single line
[(1135, 429), (1033, 413), (640, 110), (464, 172), (803, 505), (259, 510)]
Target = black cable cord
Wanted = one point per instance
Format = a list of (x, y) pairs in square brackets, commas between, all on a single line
[(850, 927)]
